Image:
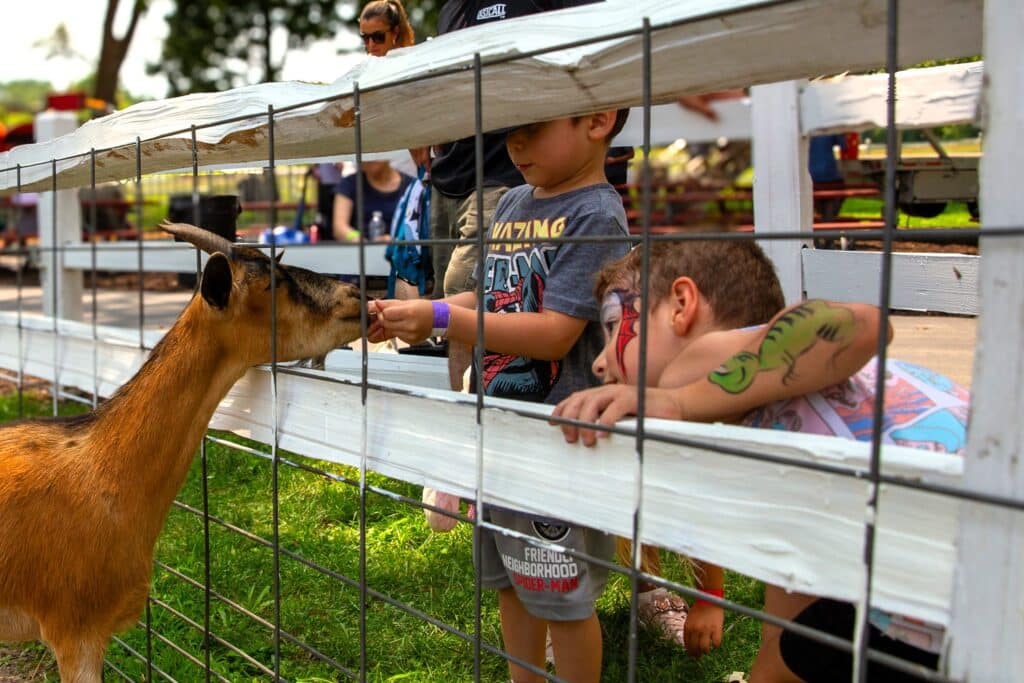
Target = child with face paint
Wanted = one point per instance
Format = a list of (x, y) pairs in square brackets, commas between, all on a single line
[(541, 333), (698, 628), (809, 369)]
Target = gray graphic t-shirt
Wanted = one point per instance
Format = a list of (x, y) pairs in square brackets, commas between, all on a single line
[(532, 274), (529, 274)]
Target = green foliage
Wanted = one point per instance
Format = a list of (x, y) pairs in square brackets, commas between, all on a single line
[(25, 96), (423, 17), (955, 215), (20, 101), (221, 44), (30, 405), (954, 131)]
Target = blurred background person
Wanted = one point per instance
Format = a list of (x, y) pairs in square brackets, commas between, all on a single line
[(383, 25), (383, 186), (327, 178)]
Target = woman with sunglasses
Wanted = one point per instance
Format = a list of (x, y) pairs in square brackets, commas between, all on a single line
[(383, 25)]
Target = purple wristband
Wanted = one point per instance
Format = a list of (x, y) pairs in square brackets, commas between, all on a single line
[(441, 313)]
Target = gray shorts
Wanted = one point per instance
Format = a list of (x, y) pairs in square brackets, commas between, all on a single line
[(451, 218), (550, 584)]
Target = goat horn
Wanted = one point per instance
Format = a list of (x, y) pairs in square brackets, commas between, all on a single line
[(204, 239)]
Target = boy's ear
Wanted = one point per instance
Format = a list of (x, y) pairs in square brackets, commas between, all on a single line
[(685, 305), (601, 124)]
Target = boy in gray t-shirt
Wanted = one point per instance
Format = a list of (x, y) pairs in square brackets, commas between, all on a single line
[(541, 332)]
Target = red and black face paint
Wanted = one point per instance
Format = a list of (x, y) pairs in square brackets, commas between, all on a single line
[(619, 305)]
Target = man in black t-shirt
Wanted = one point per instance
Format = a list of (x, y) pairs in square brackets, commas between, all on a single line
[(453, 211)]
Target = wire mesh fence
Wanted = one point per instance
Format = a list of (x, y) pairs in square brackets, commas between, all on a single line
[(262, 591)]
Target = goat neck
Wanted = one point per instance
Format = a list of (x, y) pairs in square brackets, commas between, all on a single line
[(154, 424)]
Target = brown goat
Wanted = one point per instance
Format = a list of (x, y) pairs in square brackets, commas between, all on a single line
[(82, 500)]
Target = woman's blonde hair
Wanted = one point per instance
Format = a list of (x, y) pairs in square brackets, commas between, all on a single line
[(393, 12)]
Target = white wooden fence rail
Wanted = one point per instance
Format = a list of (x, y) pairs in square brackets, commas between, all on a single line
[(791, 526)]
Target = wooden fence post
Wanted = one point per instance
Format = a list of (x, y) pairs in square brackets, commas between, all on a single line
[(783, 197), (68, 282), (987, 626)]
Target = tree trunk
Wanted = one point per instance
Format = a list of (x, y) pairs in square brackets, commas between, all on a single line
[(114, 49), (268, 64)]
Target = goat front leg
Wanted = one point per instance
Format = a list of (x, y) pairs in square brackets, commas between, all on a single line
[(79, 660)]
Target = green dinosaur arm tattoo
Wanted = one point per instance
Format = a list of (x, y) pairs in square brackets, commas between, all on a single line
[(790, 336)]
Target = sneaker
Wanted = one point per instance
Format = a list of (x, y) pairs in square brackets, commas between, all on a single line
[(446, 501), (663, 613)]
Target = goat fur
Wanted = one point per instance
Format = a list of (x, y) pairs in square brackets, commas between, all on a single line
[(83, 499)]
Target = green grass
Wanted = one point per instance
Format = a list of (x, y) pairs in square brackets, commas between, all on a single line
[(955, 215), (319, 520)]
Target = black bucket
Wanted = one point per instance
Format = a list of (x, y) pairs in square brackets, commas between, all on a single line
[(217, 213)]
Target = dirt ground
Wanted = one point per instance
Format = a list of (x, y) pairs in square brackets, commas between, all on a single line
[(26, 666), (920, 247)]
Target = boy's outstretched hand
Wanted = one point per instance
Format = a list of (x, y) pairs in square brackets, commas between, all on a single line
[(703, 630), (608, 404), (411, 320)]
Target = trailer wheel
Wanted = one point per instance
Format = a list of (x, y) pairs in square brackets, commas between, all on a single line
[(923, 209)]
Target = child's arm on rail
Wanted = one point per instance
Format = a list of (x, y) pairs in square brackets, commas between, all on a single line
[(723, 375), (546, 335), (805, 348)]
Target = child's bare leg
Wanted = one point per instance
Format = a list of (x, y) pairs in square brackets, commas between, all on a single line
[(577, 646), (650, 560), (768, 666), (523, 634)]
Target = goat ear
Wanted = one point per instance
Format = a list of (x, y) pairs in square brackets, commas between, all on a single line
[(216, 284)]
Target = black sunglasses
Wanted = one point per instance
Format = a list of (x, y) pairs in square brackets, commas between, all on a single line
[(377, 36)]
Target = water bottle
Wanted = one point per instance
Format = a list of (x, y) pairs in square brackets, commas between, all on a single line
[(377, 228)]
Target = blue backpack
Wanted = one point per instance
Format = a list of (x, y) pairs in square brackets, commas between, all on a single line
[(411, 221)]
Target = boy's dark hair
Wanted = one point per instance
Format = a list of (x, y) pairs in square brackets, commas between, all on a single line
[(735, 277), (620, 121)]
